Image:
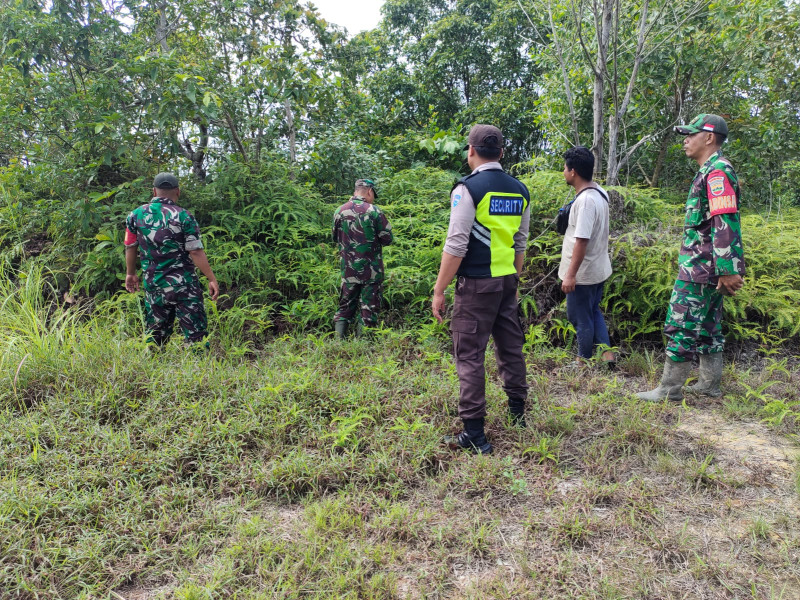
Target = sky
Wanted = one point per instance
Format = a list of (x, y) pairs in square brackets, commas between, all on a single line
[(354, 15)]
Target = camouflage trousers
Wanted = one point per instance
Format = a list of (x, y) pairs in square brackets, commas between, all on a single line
[(161, 308), (367, 295), (694, 321)]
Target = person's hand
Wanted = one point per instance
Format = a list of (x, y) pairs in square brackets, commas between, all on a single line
[(438, 305), (213, 290), (730, 284), (568, 285), (132, 283)]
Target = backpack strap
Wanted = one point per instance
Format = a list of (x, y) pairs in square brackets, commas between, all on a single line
[(604, 196)]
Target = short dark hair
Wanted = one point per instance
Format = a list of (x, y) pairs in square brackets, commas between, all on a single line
[(581, 159), (720, 138), (488, 152)]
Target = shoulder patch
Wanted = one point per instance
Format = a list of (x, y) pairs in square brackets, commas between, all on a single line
[(716, 185), (721, 195), (456, 199), (130, 237)]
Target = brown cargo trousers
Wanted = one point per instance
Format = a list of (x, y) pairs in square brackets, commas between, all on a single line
[(486, 307)]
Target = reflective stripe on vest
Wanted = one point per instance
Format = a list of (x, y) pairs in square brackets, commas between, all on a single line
[(500, 201)]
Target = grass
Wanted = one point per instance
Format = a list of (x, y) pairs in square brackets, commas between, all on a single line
[(311, 468)]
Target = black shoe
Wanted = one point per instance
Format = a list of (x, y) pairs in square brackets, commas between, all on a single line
[(516, 413), (463, 441), (517, 420)]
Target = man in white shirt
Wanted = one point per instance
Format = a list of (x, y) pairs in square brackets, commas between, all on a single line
[(585, 263)]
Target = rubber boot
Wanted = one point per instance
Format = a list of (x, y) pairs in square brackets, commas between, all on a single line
[(710, 376), (341, 329), (516, 412), (473, 438), (672, 380)]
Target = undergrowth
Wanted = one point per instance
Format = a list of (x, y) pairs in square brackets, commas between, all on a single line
[(310, 467), (268, 240)]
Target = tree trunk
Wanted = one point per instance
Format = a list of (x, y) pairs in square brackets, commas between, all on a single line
[(235, 135), (161, 27), (292, 135), (603, 27), (567, 88), (618, 114), (681, 91), (662, 155), (198, 156)]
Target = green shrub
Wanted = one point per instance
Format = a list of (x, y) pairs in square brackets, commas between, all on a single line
[(268, 239)]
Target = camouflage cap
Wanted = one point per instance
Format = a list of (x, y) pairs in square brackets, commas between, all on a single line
[(165, 181), (367, 183), (704, 122), (486, 136)]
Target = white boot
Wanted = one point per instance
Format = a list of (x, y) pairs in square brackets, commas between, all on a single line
[(710, 376), (672, 380)]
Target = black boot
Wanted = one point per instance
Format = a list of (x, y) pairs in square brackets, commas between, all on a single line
[(516, 412), (473, 438), (341, 329)]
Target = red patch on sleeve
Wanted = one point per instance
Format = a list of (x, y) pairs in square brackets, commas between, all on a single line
[(130, 237), (721, 195)]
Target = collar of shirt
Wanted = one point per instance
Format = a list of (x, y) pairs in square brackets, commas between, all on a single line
[(706, 168), (160, 200), (358, 199), (489, 165)]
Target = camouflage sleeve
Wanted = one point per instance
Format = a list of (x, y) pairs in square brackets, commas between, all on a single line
[(383, 228), (726, 228), (191, 233), (726, 236), (130, 231)]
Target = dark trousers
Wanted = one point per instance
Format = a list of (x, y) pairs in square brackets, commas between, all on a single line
[(583, 311), (485, 307)]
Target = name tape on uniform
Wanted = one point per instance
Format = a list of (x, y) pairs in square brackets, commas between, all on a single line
[(722, 204)]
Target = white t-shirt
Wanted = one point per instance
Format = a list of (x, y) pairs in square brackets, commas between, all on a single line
[(588, 219)]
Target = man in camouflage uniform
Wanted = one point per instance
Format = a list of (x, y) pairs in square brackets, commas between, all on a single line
[(169, 244), (361, 230), (710, 265)]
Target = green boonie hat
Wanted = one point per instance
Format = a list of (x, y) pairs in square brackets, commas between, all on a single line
[(367, 183), (704, 122), (165, 181)]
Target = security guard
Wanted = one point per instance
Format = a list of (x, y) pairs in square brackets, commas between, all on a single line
[(710, 265), (485, 247)]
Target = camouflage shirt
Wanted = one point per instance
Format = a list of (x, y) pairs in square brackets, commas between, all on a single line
[(361, 230), (712, 241), (165, 233)]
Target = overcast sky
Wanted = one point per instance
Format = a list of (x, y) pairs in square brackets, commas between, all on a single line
[(354, 15)]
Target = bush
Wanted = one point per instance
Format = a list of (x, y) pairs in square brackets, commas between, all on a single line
[(268, 240)]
